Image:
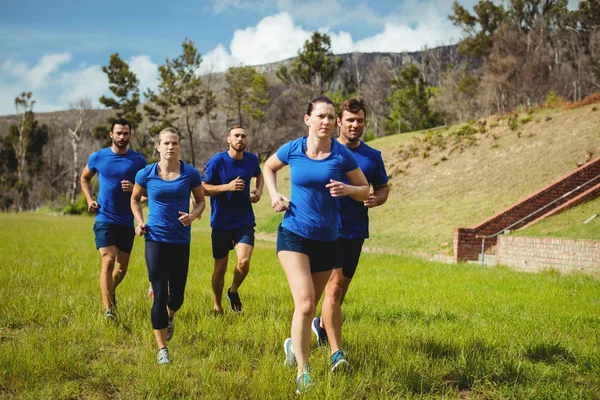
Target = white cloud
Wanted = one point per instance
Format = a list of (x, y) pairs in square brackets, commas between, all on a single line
[(217, 60), (273, 39), (54, 85), (84, 82), (38, 75), (146, 72)]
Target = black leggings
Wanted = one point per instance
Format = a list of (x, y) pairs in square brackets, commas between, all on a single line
[(167, 270)]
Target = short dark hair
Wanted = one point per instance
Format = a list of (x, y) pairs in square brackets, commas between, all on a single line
[(353, 105), (318, 99), (120, 121), (236, 127)]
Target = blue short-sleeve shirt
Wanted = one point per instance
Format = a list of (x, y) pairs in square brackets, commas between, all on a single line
[(165, 200), (313, 213), (230, 210), (354, 217), (113, 168)]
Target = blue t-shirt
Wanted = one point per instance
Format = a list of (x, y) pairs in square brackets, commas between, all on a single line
[(354, 217), (313, 213), (230, 210), (165, 200), (112, 168)]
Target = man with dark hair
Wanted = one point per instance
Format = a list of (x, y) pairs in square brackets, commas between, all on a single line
[(354, 227), (227, 180), (116, 167)]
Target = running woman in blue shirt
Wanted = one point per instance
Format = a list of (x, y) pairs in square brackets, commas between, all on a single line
[(354, 226), (227, 180), (116, 167), (307, 237), (167, 184)]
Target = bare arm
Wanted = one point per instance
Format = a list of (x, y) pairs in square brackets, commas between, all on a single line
[(278, 200), (86, 188), (378, 197), (358, 188), (187, 218), (257, 193), (235, 185), (136, 209)]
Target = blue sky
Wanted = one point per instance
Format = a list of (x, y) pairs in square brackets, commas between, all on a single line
[(56, 48)]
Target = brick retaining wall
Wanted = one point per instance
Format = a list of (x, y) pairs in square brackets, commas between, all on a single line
[(468, 247), (534, 254)]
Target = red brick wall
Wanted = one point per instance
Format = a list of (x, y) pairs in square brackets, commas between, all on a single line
[(536, 254), (467, 246)]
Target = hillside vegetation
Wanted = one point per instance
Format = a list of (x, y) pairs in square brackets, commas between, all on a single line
[(461, 175)]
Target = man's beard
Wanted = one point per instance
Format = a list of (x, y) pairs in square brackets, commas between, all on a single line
[(239, 147), (121, 146)]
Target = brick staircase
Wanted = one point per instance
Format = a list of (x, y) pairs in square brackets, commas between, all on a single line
[(553, 199)]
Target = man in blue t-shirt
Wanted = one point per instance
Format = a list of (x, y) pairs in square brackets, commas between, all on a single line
[(227, 180), (116, 167), (353, 221)]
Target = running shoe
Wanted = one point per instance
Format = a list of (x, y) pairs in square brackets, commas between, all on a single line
[(163, 356), (290, 357), (319, 332), (304, 382), (234, 299), (170, 329), (338, 361), (109, 315)]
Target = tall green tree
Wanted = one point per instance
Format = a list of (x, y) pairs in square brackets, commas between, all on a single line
[(409, 101), (239, 86), (479, 27), (315, 64), (179, 88), (124, 85), (259, 101)]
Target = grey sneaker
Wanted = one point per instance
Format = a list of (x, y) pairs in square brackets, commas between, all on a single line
[(170, 329), (290, 357), (109, 315), (304, 382), (319, 332), (163, 356), (338, 361)]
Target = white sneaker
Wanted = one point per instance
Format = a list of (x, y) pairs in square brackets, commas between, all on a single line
[(290, 357), (163, 356), (170, 329)]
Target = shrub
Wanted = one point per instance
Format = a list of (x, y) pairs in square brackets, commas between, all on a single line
[(553, 99)]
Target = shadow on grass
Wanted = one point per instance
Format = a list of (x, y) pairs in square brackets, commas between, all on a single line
[(549, 352)]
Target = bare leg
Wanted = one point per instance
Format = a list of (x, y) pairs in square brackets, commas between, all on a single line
[(120, 269), (107, 284), (304, 287), (337, 286), (218, 281), (244, 253)]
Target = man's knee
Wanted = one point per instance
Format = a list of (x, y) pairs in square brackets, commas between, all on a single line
[(243, 264), (220, 266)]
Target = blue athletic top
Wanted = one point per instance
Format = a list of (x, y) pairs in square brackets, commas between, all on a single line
[(354, 217), (230, 210), (165, 200), (313, 213), (113, 168)]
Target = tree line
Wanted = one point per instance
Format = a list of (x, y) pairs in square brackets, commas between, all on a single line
[(521, 54)]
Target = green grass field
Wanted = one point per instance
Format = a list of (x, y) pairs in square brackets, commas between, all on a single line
[(413, 329)]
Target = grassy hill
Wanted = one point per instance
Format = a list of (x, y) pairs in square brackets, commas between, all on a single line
[(459, 176), (569, 224)]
